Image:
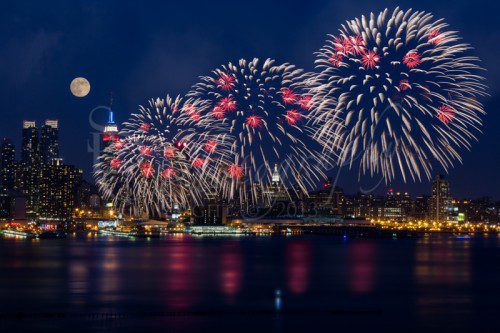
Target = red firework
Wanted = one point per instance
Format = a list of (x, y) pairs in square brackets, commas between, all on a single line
[(404, 85), (336, 59), (446, 113), (305, 102), (198, 162), (370, 59), (210, 146), (195, 116), (191, 111), (181, 144), (227, 104), (288, 96), (236, 171), (169, 152), (168, 173), (412, 59), (189, 108), (145, 127), (254, 121), (147, 169), (357, 44), (119, 144), (225, 82), (115, 163), (145, 150), (292, 117), (218, 112), (435, 37), (343, 45)]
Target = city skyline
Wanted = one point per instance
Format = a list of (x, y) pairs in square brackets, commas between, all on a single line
[(50, 151), (474, 178)]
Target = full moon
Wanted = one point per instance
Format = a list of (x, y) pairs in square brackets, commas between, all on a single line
[(80, 87)]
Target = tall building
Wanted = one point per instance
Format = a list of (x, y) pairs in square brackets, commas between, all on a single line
[(110, 133), (5, 204), (30, 143), (7, 165), (440, 200), (420, 208), (30, 160), (275, 192), (325, 201), (59, 185), (49, 141)]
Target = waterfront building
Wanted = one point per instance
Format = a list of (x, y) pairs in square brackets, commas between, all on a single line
[(325, 201), (5, 204), (30, 167), (440, 199), (59, 185), (420, 208)]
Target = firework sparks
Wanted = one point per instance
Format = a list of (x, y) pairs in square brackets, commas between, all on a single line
[(261, 114), (153, 165), (399, 92)]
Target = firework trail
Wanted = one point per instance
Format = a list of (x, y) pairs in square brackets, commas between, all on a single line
[(259, 110), (151, 167), (399, 92)]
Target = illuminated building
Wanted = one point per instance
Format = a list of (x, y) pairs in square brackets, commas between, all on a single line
[(59, 185), (5, 204), (440, 199), (420, 208), (325, 201), (110, 133), (49, 141), (210, 214), (397, 206), (275, 192), (7, 165), (30, 143), (30, 160)]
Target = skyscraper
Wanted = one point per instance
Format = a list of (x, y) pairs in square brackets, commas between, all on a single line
[(30, 164), (58, 190), (30, 143), (440, 199), (110, 130), (7, 164), (49, 141)]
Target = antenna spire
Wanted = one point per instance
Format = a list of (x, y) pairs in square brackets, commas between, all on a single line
[(111, 120)]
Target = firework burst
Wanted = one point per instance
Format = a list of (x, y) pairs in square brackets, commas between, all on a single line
[(260, 110), (154, 165), (398, 92)]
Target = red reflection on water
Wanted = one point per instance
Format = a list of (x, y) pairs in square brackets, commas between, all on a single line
[(298, 265), (231, 270), (181, 277), (362, 266), (442, 261)]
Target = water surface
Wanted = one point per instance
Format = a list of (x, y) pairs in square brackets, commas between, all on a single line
[(185, 284)]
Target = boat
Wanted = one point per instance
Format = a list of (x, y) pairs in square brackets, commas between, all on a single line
[(18, 234)]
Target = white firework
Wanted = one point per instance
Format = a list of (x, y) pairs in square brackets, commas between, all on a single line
[(151, 168), (260, 111), (398, 92)]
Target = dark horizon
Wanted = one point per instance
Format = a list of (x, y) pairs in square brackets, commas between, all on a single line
[(140, 52)]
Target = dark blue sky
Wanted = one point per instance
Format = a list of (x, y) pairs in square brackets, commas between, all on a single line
[(145, 49)]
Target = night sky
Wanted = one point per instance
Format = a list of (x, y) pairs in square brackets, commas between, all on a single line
[(145, 49)]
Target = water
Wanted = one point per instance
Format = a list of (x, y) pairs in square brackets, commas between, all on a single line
[(185, 284)]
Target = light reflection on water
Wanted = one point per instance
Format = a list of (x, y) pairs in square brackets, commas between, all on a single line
[(414, 280), (443, 277)]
